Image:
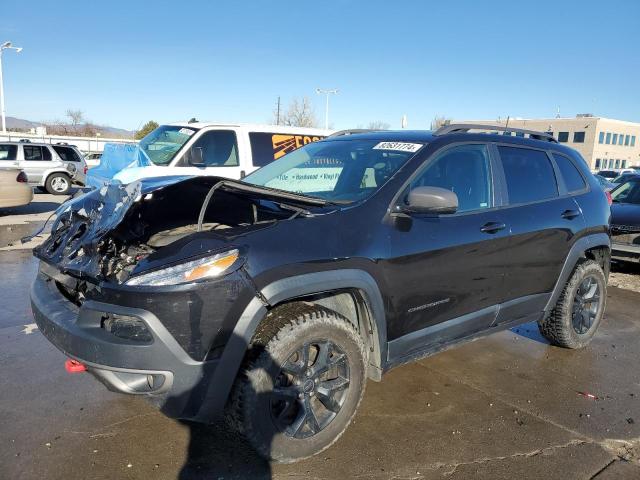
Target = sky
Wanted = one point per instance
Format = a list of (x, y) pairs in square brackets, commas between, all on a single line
[(123, 63)]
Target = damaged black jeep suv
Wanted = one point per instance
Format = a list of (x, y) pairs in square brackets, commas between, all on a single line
[(273, 299)]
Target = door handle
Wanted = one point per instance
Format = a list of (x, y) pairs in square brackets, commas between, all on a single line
[(570, 214), (492, 227)]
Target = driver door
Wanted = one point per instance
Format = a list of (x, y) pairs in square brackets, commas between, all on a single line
[(446, 272), (216, 151)]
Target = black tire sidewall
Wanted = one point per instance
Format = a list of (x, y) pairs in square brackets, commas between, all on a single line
[(50, 180), (587, 269), (267, 439)]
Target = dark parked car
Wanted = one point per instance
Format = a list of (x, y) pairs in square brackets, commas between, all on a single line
[(605, 183), (609, 174), (275, 298), (625, 177), (625, 221)]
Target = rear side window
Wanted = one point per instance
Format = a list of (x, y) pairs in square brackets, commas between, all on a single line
[(267, 147), (570, 174), (36, 153), (8, 152), (67, 154), (529, 175)]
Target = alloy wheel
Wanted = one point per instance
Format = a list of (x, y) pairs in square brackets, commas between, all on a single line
[(586, 303), (310, 389), (59, 184)]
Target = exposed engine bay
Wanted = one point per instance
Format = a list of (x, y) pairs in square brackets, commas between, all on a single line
[(106, 234)]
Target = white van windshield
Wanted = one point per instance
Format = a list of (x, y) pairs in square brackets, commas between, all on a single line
[(161, 145), (341, 171)]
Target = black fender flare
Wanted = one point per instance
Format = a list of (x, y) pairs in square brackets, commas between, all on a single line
[(289, 288), (576, 252)]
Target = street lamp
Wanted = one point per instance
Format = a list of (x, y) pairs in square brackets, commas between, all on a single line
[(326, 110), (3, 47)]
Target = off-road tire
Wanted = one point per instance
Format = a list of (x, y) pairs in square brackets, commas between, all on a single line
[(57, 177), (282, 333), (557, 326)]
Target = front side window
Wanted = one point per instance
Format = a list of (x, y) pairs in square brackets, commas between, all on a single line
[(267, 147), (343, 171), (466, 171), (8, 152), (578, 137), (627, 193), (161, 145), (570, 174), (35, 153), (563, 137), (529, 175), (67, 154), (218, 148)]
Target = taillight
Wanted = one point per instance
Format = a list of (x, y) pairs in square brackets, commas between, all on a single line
[(609, 199), (86, 169), (22, 178)]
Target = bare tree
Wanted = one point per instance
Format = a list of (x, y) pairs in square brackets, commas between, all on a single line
[(378, 125), (299, 114), (439, 121), (76, 117)]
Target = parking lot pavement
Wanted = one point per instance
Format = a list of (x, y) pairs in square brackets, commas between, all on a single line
[(506, 406)]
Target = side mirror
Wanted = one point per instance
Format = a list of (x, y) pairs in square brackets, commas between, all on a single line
[(433, 200), (195, 157)]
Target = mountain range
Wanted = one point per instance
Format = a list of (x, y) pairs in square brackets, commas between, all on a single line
[(21, 124)]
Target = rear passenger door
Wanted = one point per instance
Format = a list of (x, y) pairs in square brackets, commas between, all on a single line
[(36, 159), (543, 219)]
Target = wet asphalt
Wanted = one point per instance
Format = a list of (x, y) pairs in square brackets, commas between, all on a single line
[(506, 406)]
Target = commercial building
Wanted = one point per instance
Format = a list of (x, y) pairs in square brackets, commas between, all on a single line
[(603, 142)]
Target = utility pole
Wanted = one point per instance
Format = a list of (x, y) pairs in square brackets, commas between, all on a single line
[(326, 109), (4, 46), (278, 112)]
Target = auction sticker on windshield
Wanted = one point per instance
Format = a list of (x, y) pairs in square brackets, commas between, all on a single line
[(398, 146)]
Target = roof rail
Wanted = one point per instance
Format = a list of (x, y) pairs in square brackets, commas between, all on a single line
[(464, 127), (351, 131)]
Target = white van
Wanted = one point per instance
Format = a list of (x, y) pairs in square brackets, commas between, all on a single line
[(212, 149)]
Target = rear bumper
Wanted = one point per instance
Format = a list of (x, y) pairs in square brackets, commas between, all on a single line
[(160, 370), (625, 251)]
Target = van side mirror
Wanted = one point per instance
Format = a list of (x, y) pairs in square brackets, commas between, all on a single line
[(432, 200), (195, 157)]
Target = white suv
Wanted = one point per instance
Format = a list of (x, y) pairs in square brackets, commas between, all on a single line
[(54, 168)]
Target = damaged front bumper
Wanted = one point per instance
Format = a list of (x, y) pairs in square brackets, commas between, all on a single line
[(157, 367)]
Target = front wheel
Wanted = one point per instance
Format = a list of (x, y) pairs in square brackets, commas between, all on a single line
[(301, 385), (578, 312)]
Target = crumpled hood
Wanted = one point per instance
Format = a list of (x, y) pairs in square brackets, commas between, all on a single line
[(82, 222)]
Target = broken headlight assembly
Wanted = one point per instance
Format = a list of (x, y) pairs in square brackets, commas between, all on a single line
[(201, 269)]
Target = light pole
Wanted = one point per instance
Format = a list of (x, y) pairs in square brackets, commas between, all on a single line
[(326, 109), (3, 47)]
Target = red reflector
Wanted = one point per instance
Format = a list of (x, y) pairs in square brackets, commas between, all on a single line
[(86, 169), (73, 366), (609, 199)]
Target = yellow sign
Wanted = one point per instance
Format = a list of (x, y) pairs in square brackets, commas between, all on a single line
[(283, 144)]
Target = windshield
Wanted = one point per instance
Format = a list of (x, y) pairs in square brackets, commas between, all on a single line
[(627, 193), (341, 171), (161, 145)]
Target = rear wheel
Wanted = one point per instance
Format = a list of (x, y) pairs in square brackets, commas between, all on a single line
[(301, 385), (58, 184), (580, 308)]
